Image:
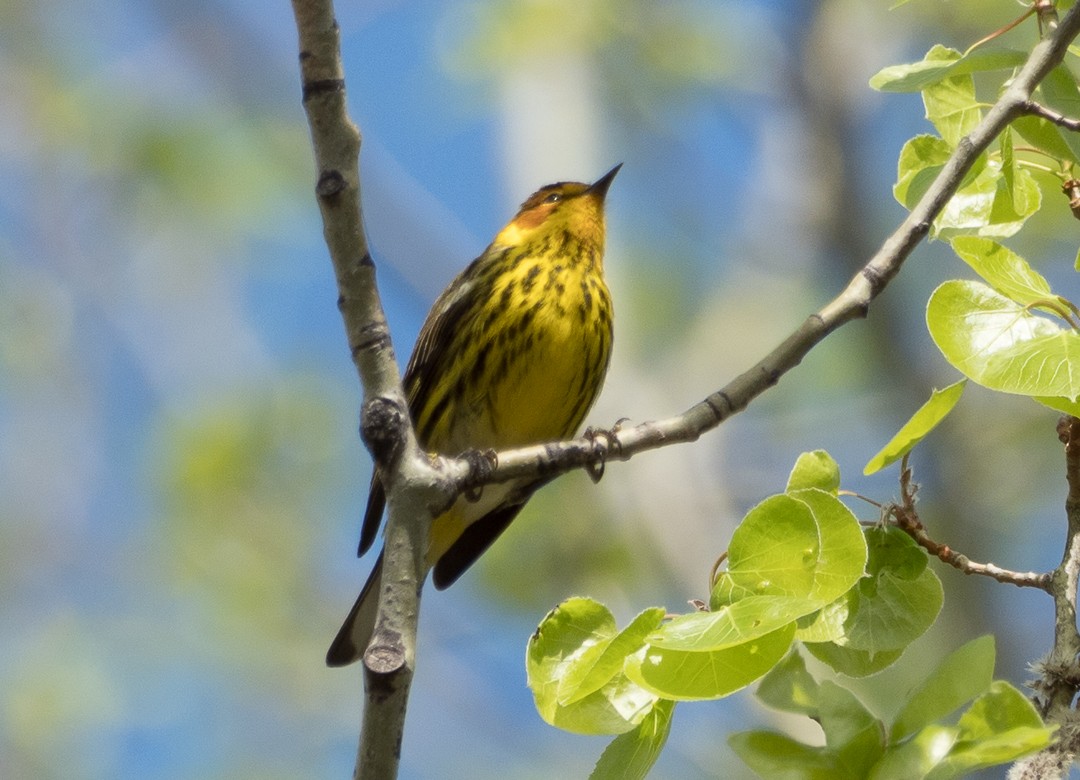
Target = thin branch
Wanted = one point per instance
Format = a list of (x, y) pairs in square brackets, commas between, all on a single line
[(1039, 110), (905, 517)]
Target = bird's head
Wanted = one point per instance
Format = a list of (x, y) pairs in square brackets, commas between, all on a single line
[(565, 207)]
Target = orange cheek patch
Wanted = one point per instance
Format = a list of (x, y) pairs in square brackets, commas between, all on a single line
[(534, 216)]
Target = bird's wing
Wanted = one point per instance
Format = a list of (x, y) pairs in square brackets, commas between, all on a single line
[(422, 374)]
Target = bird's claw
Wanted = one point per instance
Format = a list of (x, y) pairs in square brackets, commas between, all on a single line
[(481, 464), (603, 441)]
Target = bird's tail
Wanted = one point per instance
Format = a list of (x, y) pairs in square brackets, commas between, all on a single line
[(355, 633)]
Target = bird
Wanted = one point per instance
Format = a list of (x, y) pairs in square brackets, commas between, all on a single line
[(513, 352)]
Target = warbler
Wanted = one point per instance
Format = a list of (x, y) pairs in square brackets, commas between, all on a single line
[(513, 352)]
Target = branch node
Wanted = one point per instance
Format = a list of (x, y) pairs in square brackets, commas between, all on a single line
[(318, 87), (384, 658), (382, 428), (331, 184), (482, 464), (373, 335)]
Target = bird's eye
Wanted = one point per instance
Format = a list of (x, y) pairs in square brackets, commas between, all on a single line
[(554, 197)]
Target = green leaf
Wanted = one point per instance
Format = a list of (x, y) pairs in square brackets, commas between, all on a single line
[(851, 731), (842, 552), (805, 545), (631, 755), (852, 662), (1063, 405), (918, 427), (1014, 198), (916, 757), (730, 624), (916, 76), (773, 552), (815, 469), (1001, 344), (962, 676), (892, 606), (921, 160), (788, 687), (1001, 726), (1008, 159), (596, 664), (777, 757), (687, 676), (899, 600), (825, 625), (1044, 135), (562, 639), (950, 102), (843, 717), (1003, 269), (997, 711), (987, 205)]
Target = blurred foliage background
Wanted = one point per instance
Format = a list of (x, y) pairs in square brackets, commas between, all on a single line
[(181, 481)]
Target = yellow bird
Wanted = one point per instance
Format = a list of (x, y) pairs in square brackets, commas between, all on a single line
[(513, 353)]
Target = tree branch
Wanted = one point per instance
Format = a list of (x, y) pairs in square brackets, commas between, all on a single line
[(1061, 673), (412, 483)]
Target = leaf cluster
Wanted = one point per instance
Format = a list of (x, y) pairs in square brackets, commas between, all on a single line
[(800, 568)]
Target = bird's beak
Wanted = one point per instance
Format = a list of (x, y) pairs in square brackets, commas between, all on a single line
[(600, 186)]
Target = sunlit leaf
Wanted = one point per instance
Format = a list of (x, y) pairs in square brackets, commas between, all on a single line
[(916, 76), (597, 664), (1000, 726), (682, 675), (815, 469), (731, 624), (918, 756), (631, 755), (562, 639), (805, 545), (1063, 405), (921, 160), (1003, 269), (950, 103), (918, 427), (1044, 135), (1002, 345)]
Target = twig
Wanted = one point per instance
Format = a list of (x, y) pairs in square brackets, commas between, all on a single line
[(905, 517), (1039, 110)]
